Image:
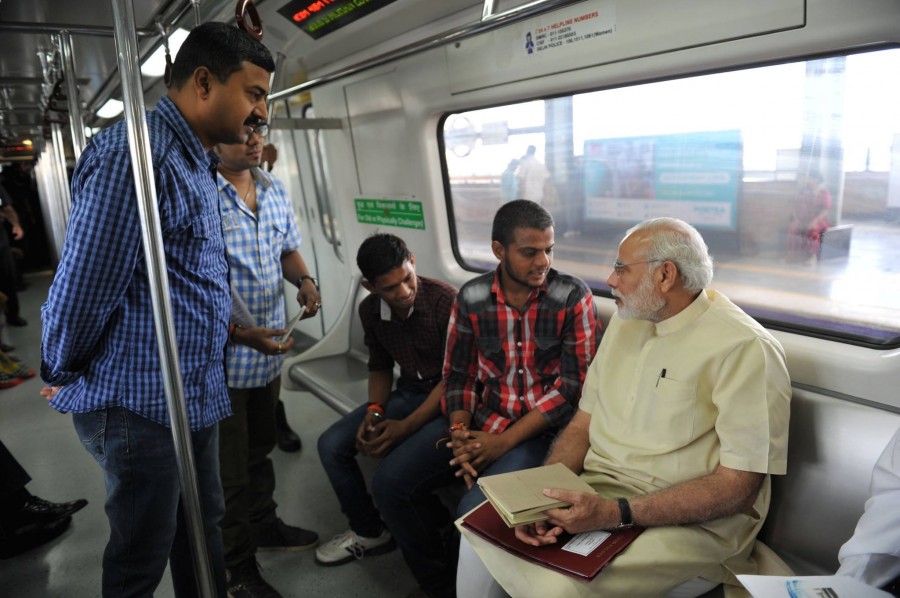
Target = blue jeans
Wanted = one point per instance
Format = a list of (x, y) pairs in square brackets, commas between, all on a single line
[(143, 502), (530, 453), (337, 451), (404, 488)]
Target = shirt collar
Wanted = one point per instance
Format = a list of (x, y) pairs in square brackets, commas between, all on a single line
[(259, 178), (170, 113), (685, 317), (421, 304), (497, 288), (387, 315)]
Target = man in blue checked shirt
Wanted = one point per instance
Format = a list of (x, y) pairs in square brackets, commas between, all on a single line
[(262, 238), (99, 350)]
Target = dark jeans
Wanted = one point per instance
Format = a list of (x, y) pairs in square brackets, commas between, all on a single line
[(530, 453), (248, 478), (337, 451), (13, 478), (404, 494), (8, 274), (143, 502)]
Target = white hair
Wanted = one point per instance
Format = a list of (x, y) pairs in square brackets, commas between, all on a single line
[(677, 241)]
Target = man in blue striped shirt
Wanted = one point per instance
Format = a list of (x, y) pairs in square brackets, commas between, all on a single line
[(99, 350), (263, 239)]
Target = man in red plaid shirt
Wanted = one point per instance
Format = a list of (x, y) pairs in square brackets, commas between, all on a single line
[(519, 344)]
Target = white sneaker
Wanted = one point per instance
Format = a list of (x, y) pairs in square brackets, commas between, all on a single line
[(345, 547)]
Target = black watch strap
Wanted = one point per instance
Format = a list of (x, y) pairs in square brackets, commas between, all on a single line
[(625, 513)]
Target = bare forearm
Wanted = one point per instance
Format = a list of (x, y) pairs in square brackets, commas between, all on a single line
[(460, 416), (720, 494), (380, 383), (10, 214), (521, 430), (293, 267), (428, 410)]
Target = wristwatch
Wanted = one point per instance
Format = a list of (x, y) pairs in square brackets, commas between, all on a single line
[(625, 512), (305, 277)]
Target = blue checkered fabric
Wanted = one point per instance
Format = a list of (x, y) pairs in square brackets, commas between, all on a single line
[(255, 244), (98, 338)]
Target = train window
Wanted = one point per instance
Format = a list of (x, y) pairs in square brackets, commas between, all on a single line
[(791, 172)]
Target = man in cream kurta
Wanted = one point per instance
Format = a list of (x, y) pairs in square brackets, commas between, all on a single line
[(684, 414)]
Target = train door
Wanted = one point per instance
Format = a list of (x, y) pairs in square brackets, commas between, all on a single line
[(305, 170)]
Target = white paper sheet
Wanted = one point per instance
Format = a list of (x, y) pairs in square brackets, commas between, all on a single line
[(819, 586)]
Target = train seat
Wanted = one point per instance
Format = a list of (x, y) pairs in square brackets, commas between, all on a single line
[(341, 381), (833, 446)]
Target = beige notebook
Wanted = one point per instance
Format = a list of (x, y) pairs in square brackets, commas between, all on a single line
[(518, 495)]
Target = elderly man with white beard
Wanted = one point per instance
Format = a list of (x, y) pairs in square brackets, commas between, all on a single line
[(683, 418)]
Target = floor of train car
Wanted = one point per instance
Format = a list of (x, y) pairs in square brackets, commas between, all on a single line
[(44, 442)]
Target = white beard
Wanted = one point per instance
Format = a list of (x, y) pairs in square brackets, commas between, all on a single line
[(642, 304)]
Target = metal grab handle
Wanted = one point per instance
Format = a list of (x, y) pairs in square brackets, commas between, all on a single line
[(246, 11)]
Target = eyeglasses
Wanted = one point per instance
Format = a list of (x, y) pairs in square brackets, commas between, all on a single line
[(619, 267), (261, 130)]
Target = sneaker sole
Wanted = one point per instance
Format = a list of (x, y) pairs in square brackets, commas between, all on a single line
[(383, 549)]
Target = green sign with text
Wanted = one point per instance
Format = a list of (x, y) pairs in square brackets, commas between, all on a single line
[(391, 212)]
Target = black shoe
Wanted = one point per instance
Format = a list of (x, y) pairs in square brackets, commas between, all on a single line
[(6, 348), (42, 512), (245, 581), (31, 535), (288, 441), (281, 536), (16, 321)]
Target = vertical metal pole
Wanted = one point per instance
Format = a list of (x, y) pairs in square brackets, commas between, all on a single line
[(279, 60), (45, 171), (139, 142), (76, 123), (196, 5), (62, 177), (488, 11)]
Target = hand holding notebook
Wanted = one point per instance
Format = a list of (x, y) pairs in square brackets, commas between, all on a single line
[(518, 496), (582, 556)]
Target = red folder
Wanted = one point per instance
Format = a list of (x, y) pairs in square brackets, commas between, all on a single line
[(487, 523)]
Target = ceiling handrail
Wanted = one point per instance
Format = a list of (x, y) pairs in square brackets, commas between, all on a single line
[(488, 23)]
